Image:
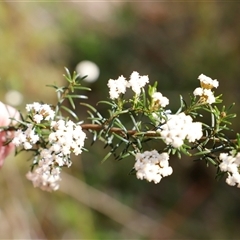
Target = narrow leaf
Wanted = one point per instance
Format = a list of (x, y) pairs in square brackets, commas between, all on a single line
[(70, 111), (106, 157), (71, 102)]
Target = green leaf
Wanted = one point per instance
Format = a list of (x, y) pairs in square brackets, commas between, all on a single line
[(238, 139), (120, 125), (82, 88), (106, 157), (108, 103), (211, 161), (70, 112), (123, 156), (89, 106), (71, 102), (121, 138), (152, 89), (133, 171), (19, 121), (76, 96), (68, 76), (81, 78), (139, 143), (110, 124), (134, 122), (182, 104), (202, 153), (144, 97), (185, 151), (52, 86)]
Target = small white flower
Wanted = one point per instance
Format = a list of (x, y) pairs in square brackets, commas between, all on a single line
[(230, 164), (159, 99), (166, 171), (208, 96), (37, 118), (45, 178), (231, 180), (233, 168), (65, 150), (67, 136), (205, 92), (40, 112), (225, 161), (56, 147), (207, 82), (19, 138), (46, 154), (198, 91), (137, 82), (194, 131), (117, 87), (35, 107), (27, 145), (177, 142), (52, 137), (26, 138)]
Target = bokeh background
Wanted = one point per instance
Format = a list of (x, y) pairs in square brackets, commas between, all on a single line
[(171, 42)]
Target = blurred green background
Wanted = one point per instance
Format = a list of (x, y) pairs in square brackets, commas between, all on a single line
[(173, 43)]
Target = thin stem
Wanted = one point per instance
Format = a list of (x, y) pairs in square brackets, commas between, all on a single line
[(97, 127)]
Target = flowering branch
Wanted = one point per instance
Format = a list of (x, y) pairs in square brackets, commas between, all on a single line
[(135, 117), (119, 131)]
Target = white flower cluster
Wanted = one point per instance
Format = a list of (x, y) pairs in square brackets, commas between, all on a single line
[(207, 83), (26, 138), (159, 99), (152, 166), (178, 128), (45, 176), (40, 112), (120, 85), (205, 92), (230, 164), (117, 87), (137, 82), (66, 137), (63, 138)]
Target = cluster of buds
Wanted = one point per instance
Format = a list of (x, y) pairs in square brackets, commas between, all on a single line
[(205, 91), (119, 86)]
